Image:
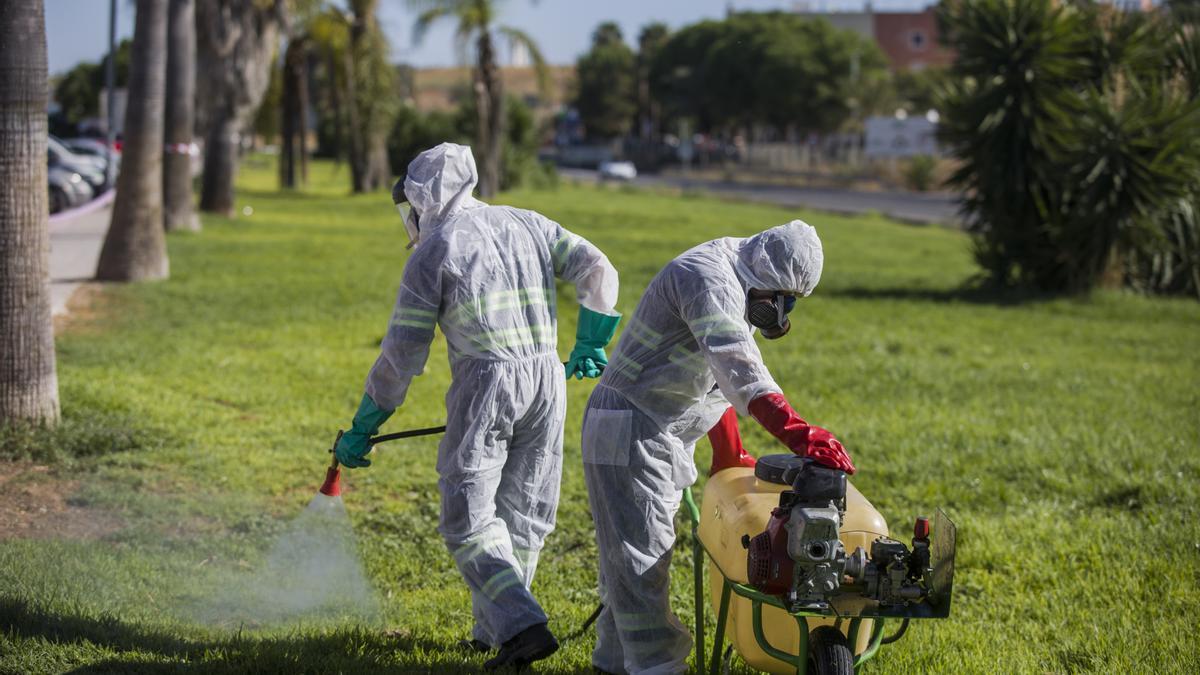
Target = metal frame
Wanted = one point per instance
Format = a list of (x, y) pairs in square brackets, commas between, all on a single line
[(757, 600)]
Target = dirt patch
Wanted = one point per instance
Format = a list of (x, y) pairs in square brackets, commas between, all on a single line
[(84, 307), (36, 504)]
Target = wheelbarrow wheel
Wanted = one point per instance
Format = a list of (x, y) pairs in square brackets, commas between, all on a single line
[(829, 653)]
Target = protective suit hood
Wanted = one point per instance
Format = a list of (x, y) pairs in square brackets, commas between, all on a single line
[(784, 258), (439, 183)]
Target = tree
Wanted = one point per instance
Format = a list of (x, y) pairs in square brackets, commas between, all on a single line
[(476, 21), (360, 88), (293, 108), (180, 117), (650, 41), (773, 70), (236, 44), (607, 98), (373, 96), (135, 248), (79, 90), (28, 379), (293, 127)]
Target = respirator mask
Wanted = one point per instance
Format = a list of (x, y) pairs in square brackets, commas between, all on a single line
[(769, 314), (412, 219)]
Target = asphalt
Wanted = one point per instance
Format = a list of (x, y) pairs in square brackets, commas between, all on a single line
[(75, 240), (908, 207)]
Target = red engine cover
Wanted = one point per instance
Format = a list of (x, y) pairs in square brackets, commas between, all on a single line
[(768, 565)]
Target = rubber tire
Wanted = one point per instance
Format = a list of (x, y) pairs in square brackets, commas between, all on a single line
[(829, 653), (58, 200)]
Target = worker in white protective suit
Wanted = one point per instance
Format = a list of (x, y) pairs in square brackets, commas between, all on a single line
[(486, 276), (687, 354)]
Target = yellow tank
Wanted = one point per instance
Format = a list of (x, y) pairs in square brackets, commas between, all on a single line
[(735, 503)]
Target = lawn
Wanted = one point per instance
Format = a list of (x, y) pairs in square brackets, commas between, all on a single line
[(1060, 434)]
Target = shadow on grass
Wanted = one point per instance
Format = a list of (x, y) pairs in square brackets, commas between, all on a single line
[(355, 650), (1004, 297)]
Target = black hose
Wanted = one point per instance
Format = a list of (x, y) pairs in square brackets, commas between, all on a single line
[(411, 433), (586, 624), (897, 635)]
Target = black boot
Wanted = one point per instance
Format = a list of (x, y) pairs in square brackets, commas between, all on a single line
[(532, 644)]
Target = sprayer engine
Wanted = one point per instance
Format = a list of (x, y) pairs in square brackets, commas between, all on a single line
[(800, 556)]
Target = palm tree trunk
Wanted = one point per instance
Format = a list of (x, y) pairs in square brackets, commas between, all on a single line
[(28, 380), (135, 248), (220, 162), (379, 172), (489, 103), (356, 150), (294, 110), (180, 114), (236, 41)]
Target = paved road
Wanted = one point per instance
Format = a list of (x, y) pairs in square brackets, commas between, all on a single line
[(904, 206), (75, 240)]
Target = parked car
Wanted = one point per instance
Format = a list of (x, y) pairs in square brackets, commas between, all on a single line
[(67, 189), (92, 169), (617, 171), (94, 148)]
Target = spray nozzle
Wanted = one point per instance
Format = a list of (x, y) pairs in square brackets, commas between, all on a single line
[(332, 487)]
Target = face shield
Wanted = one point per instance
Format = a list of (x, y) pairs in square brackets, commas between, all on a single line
[(412, 222), (769, 312)]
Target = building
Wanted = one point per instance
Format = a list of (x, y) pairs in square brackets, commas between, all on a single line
[(908, 39)]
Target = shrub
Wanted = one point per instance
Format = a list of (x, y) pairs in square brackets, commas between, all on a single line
[(415, 131), (1077, 141), (919, 173)]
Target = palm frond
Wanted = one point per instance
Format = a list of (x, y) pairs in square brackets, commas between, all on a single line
[(520, 37), (427, 18), (462, 41), (330, 30)]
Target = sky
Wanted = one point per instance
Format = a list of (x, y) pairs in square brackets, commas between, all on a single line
[(77, 30)]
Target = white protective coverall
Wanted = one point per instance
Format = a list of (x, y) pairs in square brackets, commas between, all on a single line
[(486, 276), (687, 354)]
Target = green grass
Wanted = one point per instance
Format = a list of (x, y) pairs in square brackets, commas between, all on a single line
[(1060, 434)]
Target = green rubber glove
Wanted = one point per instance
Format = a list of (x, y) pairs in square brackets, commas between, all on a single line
[(593, 333), (355, 444)]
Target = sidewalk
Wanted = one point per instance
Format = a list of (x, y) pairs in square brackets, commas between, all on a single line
[(75, 240)]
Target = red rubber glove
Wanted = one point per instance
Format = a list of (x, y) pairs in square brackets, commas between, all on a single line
[(727, 444), (773, 412)]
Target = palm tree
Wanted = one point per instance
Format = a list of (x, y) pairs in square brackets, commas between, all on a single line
[(236, 42), (298, 58), (476, 22), (650, 40), (293, 112), (180, 117), (135, 247), (28, 380)]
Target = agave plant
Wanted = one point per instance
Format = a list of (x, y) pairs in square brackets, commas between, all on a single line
[(1010, 97), (1075, 126)]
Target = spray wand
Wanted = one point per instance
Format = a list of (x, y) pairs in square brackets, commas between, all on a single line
[(332, 487)]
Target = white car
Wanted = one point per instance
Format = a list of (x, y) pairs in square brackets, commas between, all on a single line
[(617, 171)]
